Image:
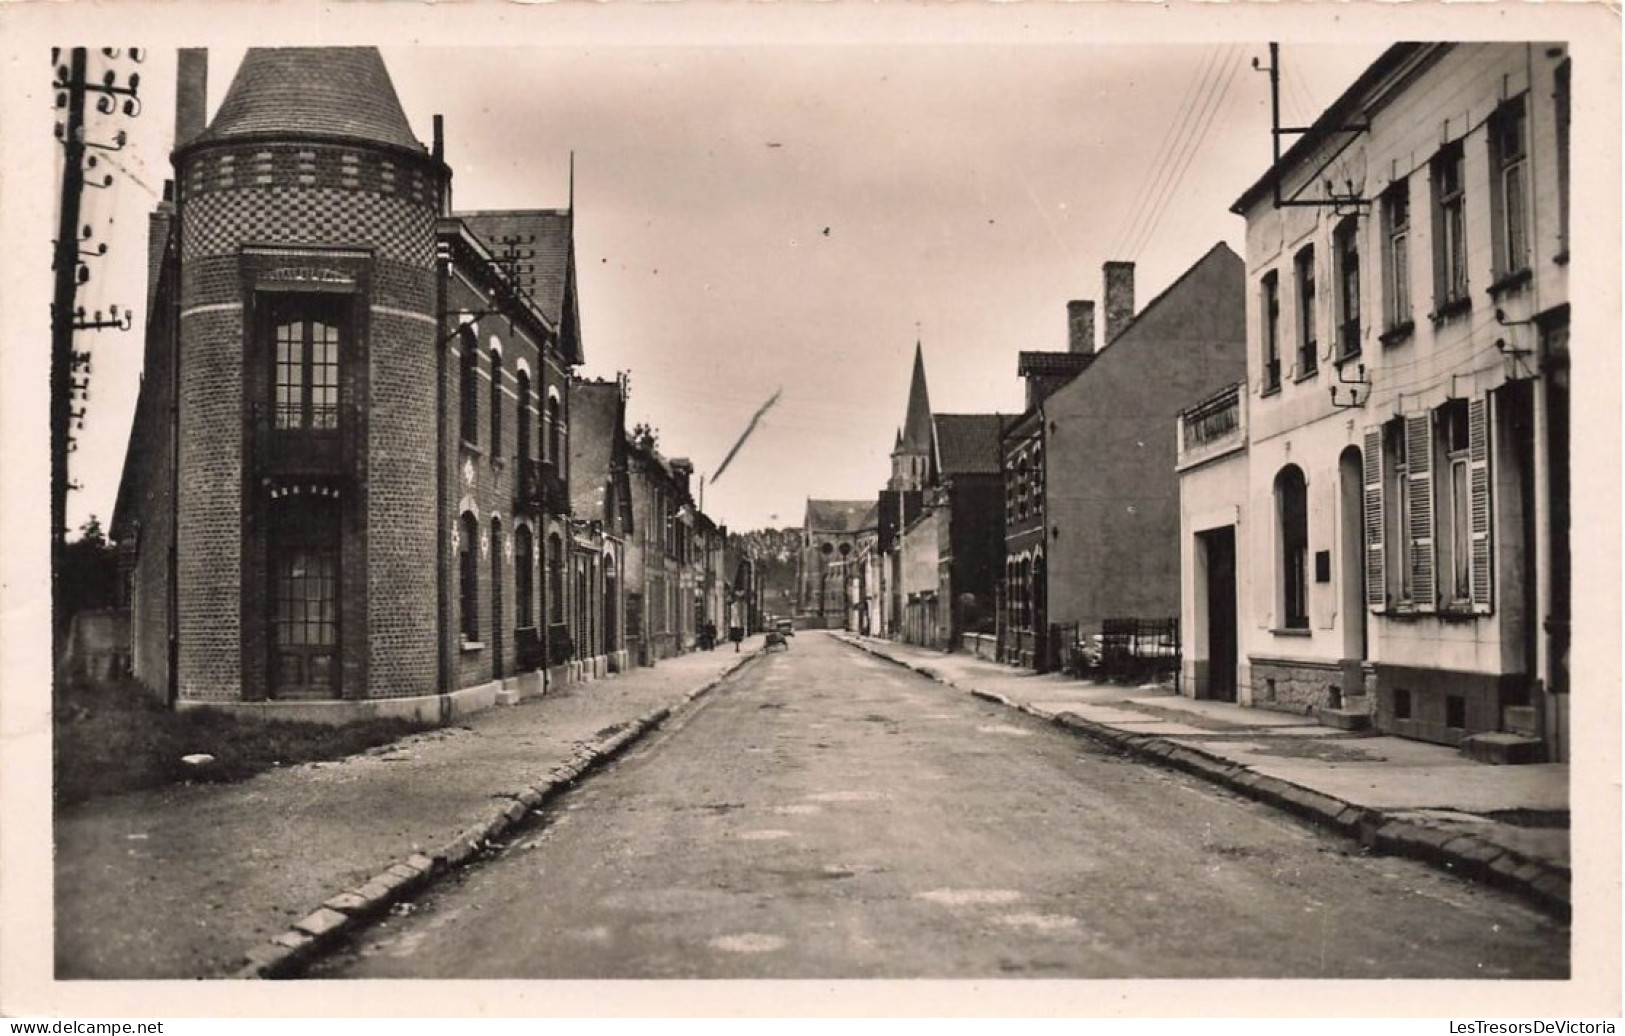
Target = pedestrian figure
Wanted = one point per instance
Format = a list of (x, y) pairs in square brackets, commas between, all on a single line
[(736, 634)]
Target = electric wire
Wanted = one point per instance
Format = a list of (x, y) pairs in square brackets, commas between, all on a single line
[(1164, 150), (1157, 180), (1217, 102)]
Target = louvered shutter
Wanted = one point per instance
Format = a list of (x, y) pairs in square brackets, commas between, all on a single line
[(1419, 523), (1478, 473), (1376, 572)]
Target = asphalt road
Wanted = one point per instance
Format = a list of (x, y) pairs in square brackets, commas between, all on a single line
[(825, 814)]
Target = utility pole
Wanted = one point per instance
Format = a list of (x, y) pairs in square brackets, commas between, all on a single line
[(67, 269), (71, 271)]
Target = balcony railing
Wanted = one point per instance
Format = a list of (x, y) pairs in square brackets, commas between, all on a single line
[(1215, 425), (540, 489), (300, 452)]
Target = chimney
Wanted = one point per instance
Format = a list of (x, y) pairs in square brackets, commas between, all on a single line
[(1080, 322), (191, 93), (1119, 277), (159, 227)]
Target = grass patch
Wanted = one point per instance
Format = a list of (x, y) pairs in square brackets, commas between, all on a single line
[(115, 738)]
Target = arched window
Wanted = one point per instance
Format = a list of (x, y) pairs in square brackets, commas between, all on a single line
[(469, 386), (496, 403), (555, 432), (1292, 511), (469, 576), (555, 579), (522, 412), (524, 579)]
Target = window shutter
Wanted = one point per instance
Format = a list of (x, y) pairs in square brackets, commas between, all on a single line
[(1478, 460), (1419, 523), (1376, 572)]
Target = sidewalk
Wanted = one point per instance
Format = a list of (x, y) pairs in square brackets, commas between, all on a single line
[(214, 880), (1505, 825)]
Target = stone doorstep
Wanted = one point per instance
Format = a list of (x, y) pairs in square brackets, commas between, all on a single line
[(1503, 749), (1344, 719)]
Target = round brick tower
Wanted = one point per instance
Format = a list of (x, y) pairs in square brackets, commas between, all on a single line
[(308, 325)]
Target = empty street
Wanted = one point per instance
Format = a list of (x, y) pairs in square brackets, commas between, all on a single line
[(825, 814)]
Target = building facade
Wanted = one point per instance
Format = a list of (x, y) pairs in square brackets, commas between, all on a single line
[(601, 496), (1091, 492), (834, 533), (329, 504), (1405, 521), (1024, 636)]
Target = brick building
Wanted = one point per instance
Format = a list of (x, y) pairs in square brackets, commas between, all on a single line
[(1091, 493), (601, 497), (660, 612), (349, 468), (1024, 616), (1403, 535)]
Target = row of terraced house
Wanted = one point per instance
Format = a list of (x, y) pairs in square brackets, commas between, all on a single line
[(365, 474), (1332, 475)]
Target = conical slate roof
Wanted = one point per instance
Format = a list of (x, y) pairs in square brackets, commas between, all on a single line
[(313, 92), (917, 426)]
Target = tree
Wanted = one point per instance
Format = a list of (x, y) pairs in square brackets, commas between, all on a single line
[(87, 578)]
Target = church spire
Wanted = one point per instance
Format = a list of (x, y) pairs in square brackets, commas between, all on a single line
[(911, 457), (917, 425)]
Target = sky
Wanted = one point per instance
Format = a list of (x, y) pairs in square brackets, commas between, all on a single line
[(756, 217)]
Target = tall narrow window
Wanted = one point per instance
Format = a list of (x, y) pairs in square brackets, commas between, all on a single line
[(1308, 346), (495, 552), (1347, 249), (1292, 507), (496, 403), (1396, 230), (469, 386), (1509, 186), (1396, 517), (524, 579), (468, 557), (1270, 311), (555, 579), (1455, 540), (522, 412), (555, 433), (307, 368), (1449, 232), (1560, 100)]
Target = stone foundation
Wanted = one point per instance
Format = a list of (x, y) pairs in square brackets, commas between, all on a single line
[(427, 708), (1442, 705), (1301, 686)]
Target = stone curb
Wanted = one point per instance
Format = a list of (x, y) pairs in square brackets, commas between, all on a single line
[(341, 915), (1547, 885)]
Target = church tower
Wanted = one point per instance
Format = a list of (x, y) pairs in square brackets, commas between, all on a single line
[(911, 456)]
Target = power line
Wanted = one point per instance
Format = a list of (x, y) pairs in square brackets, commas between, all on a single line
[(1165, 181), (1190, 154), (1180, 114)]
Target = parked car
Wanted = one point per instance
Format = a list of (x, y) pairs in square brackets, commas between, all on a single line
[(786, 627)]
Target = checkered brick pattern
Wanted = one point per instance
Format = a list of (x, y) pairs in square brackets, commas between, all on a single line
[(219, 223), (309, 165)]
